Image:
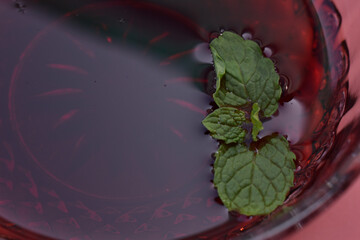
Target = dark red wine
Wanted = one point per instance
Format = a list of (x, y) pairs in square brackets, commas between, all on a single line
[(101, 109)]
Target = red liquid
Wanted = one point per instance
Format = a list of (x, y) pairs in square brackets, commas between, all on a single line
[(101, 109)]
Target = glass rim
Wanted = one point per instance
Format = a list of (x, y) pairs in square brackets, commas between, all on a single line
[(343, 158)]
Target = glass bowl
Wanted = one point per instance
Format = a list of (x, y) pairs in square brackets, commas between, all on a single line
[(38, 202)]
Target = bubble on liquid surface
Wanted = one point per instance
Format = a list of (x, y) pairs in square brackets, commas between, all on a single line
[(268, 52), (203, 53), (290, 121), (247, 36)]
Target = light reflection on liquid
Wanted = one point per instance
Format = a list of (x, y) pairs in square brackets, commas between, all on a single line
[(290, 121)]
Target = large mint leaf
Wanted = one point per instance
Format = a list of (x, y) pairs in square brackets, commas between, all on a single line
[(225, 124), (254, 182), (257, 124), (244, 75)]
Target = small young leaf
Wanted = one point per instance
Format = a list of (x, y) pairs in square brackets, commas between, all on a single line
[(254, 182), (257, 124), (225, 124), (244, 75)]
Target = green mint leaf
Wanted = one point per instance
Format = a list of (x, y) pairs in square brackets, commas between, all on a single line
[(257, 124), (244, 75), (225, 124), (254, 182), (251, 182)]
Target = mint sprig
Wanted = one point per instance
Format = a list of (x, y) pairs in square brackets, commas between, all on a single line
[(252, 179), (244, 75)]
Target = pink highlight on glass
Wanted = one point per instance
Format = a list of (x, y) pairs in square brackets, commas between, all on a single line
[(155, 40), (8, 183), (66, 117), (165, 63), (59, 205), (79, 141), (215, 219), (187, 105), (158, 38), (37, 206), (4, 202), (181, 54), (177, 56), (81, 47), (128, 216), (191, 201), (91, 213), (184, 217), (145, 228), (177, 133), (52, 193), (31, 185), (161, 212), (68, 68)]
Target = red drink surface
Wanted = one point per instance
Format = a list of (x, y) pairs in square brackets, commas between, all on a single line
[(102, 103)]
